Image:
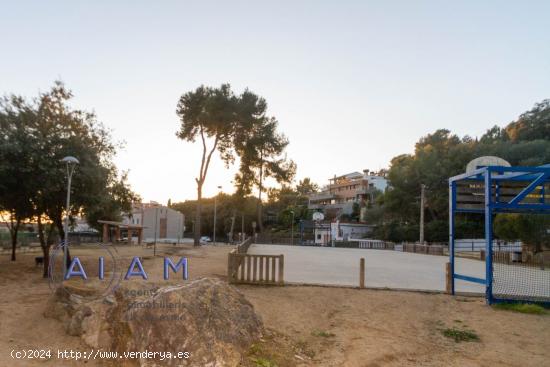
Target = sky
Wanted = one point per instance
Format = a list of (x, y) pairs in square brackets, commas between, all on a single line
[(352, 83)]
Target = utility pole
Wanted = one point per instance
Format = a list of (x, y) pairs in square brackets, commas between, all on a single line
[(215, 214), (242, 227), (215, 210), (292, 228), (422, 199)]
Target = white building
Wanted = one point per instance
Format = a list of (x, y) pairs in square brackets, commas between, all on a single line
[(344, 231), (326, 233), (159, 222)]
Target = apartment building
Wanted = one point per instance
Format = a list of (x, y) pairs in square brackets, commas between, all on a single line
[(342, 192)]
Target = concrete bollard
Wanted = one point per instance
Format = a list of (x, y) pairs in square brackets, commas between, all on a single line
[(448, 278), (362, 273)]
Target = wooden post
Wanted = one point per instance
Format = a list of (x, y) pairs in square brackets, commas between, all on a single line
[(254, 268), (273, 279), (105, 233), (261, 277), (448, 278), (248, 268), (482, 255), (281, 269), (130, 235), (140, 235), (241, 264), (362, 273), (230, 268)]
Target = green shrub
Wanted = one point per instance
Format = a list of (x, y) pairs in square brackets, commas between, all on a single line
[(522, 308), (460, 335)]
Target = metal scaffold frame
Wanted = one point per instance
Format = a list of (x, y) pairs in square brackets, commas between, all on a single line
[(490, 190)]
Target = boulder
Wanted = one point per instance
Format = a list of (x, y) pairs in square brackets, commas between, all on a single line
[(207, 318)]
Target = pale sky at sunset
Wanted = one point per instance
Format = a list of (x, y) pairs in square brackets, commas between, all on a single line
[(352, 83)]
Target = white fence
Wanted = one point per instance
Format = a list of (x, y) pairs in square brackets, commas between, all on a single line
[(478, 244)]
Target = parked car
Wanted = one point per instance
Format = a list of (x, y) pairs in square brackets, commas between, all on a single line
[(205, 240)]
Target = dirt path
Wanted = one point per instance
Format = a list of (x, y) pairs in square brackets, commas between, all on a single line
[(328, 326), (348, 327)]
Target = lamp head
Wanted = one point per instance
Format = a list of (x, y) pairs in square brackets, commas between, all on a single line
[(70, 160)]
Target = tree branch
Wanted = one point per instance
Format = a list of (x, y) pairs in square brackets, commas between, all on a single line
[(201, 175), (210, 156)]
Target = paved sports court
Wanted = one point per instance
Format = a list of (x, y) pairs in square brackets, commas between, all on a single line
[(384, 268)]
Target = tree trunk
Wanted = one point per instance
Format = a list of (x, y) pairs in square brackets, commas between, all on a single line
[(197, 233), (45, 245), (46, 254), (14, 230), (61, 230), (231, 231)]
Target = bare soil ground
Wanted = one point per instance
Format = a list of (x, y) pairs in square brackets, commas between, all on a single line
[(308, 326)]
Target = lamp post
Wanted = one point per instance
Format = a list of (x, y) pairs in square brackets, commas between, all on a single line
[(215, 210), (292, 228), (156, 226), (70, 163), (422, 205)]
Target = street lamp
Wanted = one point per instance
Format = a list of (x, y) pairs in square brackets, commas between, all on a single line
[(292, 228), (215, 209), (70, 163)]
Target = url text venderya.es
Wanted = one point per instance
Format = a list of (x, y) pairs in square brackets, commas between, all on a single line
[(94, 354)]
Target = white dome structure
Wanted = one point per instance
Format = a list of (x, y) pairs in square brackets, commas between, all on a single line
[(484, 161)]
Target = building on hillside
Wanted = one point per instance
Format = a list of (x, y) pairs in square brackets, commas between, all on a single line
[(159, 222), (342, 192), (325, 233), (344, 231)]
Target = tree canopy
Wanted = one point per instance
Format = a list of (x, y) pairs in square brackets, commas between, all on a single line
[(237, 126), (440, 155), (36, 135)]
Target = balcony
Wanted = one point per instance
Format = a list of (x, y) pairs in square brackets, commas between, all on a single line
[(346, 208), (322, 196)]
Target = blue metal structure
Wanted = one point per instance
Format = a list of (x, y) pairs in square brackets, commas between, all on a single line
[(490, 190)]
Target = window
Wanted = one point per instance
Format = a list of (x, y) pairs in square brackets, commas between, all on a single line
[(318, 236)]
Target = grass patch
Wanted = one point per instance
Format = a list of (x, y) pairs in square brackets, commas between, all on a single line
[(261, 356), (460, 335), (323, 334), (303, 348), (463, 299), (522, 308), (263, 362)]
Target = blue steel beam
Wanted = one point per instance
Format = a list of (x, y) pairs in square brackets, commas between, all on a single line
[(501, 207), (519, 169), (470, 279), (526, 191), (466, 175), (452, 204), (488, 239)]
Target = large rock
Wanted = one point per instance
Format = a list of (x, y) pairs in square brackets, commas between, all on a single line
[(207, 318)]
